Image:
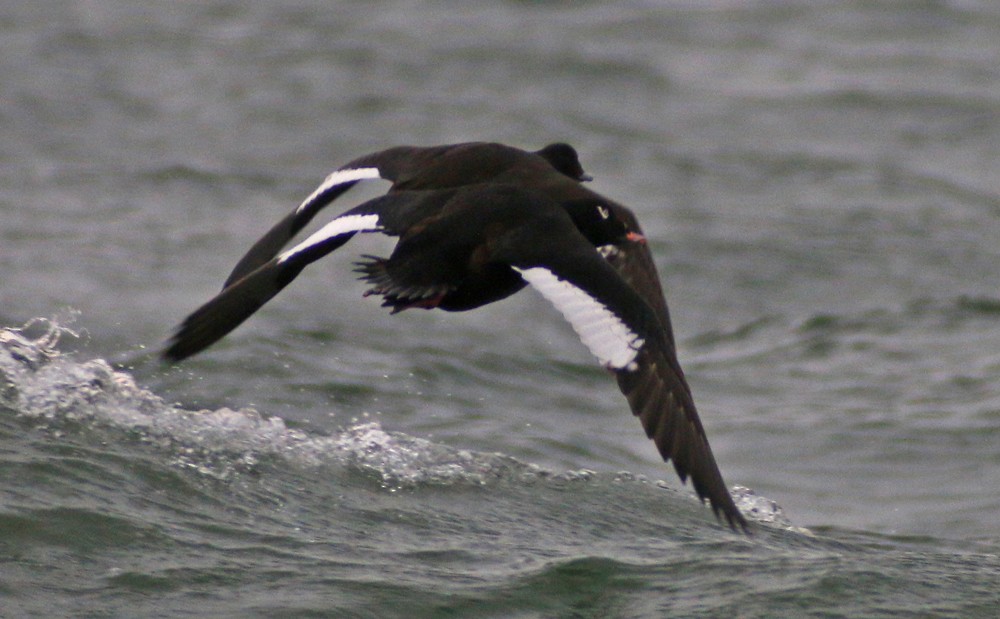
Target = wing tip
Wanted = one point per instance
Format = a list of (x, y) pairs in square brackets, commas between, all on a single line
[(724, 506), (171, 357), (720, 500), (179, 346), (734, 518)]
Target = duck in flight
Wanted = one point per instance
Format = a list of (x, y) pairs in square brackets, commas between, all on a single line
[(476, 223)]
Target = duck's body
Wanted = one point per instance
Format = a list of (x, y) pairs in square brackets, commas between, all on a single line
[(476, 223)]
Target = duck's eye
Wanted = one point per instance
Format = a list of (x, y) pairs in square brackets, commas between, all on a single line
[(603, 212)]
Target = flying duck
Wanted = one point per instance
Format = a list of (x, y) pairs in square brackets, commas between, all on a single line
[(476, 223)]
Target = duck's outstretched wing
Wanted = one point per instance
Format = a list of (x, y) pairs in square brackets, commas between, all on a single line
[(406, 167), (629, 338), (388, 214), (653, 381)]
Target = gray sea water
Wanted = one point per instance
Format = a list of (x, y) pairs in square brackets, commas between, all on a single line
[(818, 182)]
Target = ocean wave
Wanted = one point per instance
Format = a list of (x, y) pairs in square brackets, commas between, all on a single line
[(57, 391)]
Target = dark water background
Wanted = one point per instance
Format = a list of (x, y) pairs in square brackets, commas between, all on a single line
[(818, 181)]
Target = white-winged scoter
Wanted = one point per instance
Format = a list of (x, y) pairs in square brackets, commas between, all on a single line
[(476, 223)]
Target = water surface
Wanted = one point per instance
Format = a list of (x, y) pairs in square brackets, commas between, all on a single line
[(818, 183)]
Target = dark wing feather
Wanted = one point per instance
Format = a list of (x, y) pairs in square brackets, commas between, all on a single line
[(659, 394), (634, 262), (240, 300), (653, 383), (227, 310), (391, 214)]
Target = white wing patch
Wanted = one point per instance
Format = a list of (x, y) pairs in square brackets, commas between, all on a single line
[(604, 333), (340, 225), (339, 177)]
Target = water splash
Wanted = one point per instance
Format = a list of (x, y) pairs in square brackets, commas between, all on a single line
[(40, 383)]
